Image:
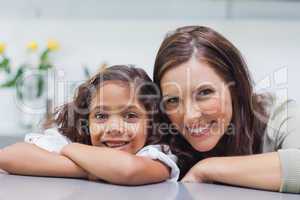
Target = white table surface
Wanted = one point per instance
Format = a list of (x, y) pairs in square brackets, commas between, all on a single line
[(31, 188)]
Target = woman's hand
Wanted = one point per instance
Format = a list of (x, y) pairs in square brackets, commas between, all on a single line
[(261, 171), (91, 177), (200, 172)]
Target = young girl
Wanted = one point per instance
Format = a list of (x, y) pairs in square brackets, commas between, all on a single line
[(114, 112)]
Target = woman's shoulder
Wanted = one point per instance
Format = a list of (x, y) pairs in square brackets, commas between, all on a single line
[(283, 121)]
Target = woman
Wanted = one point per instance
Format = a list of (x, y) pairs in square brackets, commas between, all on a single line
[(227, 133)]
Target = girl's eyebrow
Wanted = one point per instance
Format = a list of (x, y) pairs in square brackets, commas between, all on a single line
[(119, 107)]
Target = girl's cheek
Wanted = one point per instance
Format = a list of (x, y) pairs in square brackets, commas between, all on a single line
[(96, 131), (137, 130), (132, 129)]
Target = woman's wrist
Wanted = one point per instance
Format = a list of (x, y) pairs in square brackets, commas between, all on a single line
[(208, 168)]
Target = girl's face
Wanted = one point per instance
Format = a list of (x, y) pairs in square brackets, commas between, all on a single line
[(117, 120), (198, 101)]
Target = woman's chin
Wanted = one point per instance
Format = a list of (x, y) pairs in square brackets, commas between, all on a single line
[(204, 146)]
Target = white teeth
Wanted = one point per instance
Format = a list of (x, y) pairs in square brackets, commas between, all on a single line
[(115, 144), (199, 130)]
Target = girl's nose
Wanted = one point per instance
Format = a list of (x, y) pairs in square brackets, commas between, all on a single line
[(115, 127)]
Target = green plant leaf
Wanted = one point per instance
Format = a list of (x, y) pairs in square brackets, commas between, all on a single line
[(45, 66), (5, 65), (12, 82), (41, 84), (44, 56)]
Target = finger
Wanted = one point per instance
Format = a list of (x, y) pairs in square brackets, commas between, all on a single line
[(188, 179)]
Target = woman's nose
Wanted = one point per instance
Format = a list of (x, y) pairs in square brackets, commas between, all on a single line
[(192, 113)]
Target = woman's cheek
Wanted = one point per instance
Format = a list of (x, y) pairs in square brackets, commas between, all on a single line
[(177, 116)]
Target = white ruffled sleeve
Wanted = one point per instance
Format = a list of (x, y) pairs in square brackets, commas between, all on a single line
[(51, 140), (155, 152)]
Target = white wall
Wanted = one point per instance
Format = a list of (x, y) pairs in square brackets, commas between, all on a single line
[(267, 45), (154, 9), (92, 32)]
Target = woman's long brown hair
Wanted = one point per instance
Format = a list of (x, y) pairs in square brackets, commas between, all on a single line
[(72, 118), (249, 116)]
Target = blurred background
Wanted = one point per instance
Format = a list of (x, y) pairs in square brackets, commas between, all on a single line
[(93, 33)]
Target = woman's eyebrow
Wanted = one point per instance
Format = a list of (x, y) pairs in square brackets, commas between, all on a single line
[(201, 86), (168, 96)]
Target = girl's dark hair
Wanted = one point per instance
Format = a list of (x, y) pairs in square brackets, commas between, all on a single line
[(249, 114), (72, 118)]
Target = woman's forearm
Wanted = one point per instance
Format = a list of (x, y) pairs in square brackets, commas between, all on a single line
[(28, 159), (260, 171)]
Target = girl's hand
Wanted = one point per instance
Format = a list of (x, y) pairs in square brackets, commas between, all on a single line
[(1, 171)]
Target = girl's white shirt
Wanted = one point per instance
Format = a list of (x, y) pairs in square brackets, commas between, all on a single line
[(52, 141)]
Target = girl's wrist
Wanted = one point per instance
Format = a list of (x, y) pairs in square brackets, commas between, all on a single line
[(1, 157)]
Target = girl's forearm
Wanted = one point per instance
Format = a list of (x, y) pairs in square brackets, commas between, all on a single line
[(28, 159), (107, 164), (260, 171), (115, 166)]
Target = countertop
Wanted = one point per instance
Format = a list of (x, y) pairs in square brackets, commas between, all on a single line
[(27, 187)]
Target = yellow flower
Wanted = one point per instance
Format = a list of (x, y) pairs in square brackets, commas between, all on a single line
[(32, 46), (2, 47), (53, 45)]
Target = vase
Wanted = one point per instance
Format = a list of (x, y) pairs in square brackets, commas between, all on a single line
[(31, 96)]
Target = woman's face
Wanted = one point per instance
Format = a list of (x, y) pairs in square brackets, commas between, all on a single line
[(117, 120), (198, 101)]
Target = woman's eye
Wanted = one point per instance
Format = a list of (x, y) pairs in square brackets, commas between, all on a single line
[(204, 93), (171, 100), (101, 116), (170, 103)]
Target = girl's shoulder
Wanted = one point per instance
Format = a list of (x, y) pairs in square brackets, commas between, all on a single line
[(163, 154), (49, 139)]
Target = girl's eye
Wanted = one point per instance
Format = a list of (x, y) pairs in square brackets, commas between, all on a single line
[(101, 116), (131, 117), (202, 94), (171, 103)]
